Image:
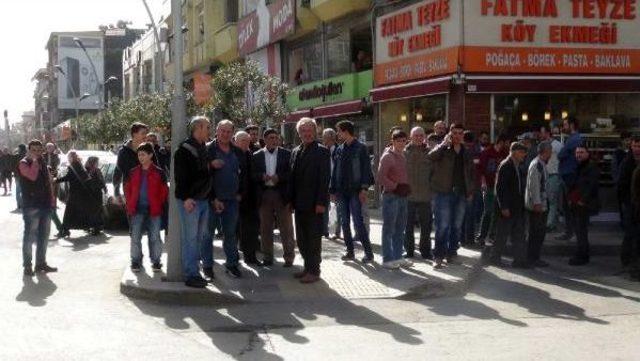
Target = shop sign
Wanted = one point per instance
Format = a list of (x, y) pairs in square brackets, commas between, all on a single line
[(552, 36), (417, 41), (333, 90), (266, 25)]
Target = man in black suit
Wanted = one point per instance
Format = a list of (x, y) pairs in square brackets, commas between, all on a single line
[(510, 186), (270, 172), (309, 196)]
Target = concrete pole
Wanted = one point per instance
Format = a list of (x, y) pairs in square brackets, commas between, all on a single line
[(178, 134)]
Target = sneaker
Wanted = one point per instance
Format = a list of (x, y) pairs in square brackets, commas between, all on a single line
[(157, 267), (196, 282), (578, 261), (367, 259), (45, 268), (28, 271), (208, 272), (136, 267), (348, 257), (391, 265), (234, 271)]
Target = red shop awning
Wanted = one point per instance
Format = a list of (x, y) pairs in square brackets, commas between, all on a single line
[(411, 90), (297, 115), (552, 84), (336, 110)]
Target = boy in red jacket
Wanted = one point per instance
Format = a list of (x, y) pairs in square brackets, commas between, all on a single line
[(146, 193)]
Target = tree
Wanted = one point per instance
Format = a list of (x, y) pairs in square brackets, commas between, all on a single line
[(244, 94)]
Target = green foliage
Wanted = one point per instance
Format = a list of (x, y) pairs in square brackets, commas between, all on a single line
[(244, 94)]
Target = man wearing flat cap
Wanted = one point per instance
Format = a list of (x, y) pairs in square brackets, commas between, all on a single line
[(510, 188)]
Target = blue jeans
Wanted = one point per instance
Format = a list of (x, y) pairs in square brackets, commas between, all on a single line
[(37, 223), (194, 229), (554, 184), (394, 222), (140, 223), (449, 211), (351, 207), (229, 220)]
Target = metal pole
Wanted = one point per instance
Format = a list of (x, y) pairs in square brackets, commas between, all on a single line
[(158, 62), (95, 73), (178, 133)]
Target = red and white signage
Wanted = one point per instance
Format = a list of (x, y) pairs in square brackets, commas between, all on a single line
[(418, 41), (552, 36), (266, 25)]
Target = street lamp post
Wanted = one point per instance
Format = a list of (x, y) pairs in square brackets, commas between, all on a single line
[(159, 56), (95, 72)]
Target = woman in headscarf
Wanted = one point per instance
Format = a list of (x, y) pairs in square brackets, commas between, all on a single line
[(95, 186)]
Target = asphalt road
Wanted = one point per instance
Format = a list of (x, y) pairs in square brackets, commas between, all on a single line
[(79, 314)]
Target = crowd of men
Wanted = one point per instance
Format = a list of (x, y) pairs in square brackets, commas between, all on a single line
[(473, 193)]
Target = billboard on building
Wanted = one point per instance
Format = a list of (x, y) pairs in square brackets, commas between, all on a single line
[(417, 41), (552, 36), (79, 77), (266, 25)]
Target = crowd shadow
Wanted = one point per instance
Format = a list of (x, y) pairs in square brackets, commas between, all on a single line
[(36, 293), (84, 242)]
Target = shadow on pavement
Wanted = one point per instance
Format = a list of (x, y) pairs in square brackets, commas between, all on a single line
[(36, 293), (84, 242)]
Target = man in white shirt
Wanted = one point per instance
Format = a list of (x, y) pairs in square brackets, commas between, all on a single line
[(553, 181)]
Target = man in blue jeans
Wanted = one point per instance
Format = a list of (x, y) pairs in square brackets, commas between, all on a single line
[(453, 185), (37, 202), (193, 186), (229, 177), (568, 168), (350, 182)]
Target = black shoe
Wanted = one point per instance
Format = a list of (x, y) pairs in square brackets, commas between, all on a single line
[(563, 237), (136, 267), (208, 272), (28, 272), (253, 261), (428, 256), (348, 257), (287, 264), (521, 265), (234, 271), (267, 263), (45, 268), (367, 259), (63, 233), (196, 282), (156, 267), (408, 255), (578, 261)]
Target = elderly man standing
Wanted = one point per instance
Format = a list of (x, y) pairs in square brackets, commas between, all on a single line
[(229, 167), (419, 205), (309, 196), (193, 185), (350, 182), (440, 130), (510, 186), (270, 170), (536, 202)]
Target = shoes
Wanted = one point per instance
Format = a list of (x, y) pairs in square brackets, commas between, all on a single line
[(438, 264), (287, 264), (156, 267), (309, 278), (300, 274), (367, 259), (136, 267), (521, 265), (404, 263), (208, 272), (348, 257), (539, 264), (428, 256), (234, 271), (267, 263), (196, 282), (256, 262), (391, 265), (63, 233), (28, 272), (408, 255), (563, 237), (578, 261), (452, 260)]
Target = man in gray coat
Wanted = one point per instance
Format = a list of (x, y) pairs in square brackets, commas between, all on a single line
[(536, 202), (419, 174)]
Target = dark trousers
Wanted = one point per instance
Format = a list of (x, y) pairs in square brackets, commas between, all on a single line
[(568, 211), (580, 224), (630, 250), (248, 231), (421, 211), (309, 237), (511, 228), (537, 232), (487, 225), (472, 218)]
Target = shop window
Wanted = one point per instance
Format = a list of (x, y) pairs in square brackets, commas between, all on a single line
[(305, 63), (231, 11), (338, 55), (361, 50), (147, 78)]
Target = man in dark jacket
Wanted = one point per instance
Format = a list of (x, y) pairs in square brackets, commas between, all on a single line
[(271, 167), (350, 183), (583, 202), (230, 179), (452, 182), (192, 189), (127, 157), (309, 196), (630, 251), (510, 187)]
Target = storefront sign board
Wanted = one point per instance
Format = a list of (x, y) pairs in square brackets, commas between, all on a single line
[(333, 90), (266, 25)]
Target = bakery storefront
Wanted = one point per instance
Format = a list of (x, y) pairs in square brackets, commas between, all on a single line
[(344, 97)]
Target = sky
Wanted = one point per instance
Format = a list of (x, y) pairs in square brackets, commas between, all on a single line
[(25, 29)]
